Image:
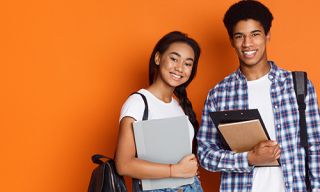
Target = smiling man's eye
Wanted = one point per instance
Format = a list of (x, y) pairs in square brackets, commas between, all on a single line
[(238, 36)]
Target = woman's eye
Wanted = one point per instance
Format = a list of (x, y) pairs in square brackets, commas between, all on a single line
[(188, 64), (173, 59)]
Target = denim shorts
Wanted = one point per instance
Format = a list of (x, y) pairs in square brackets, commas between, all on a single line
[(194, 187)]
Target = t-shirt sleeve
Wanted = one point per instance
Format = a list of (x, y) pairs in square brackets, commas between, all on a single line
[(133, 107)]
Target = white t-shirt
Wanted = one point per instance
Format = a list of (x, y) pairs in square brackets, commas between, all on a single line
[(265, 179), (134, 107)]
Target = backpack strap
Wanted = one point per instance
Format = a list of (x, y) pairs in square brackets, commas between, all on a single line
[(300, 88), (96, 158), (136, 183), (146, 108)]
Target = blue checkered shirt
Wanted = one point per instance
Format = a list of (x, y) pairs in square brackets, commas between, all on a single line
[(236, 173)]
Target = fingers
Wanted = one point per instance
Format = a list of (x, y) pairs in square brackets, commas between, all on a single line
[(191, 156), (277, 152), (269, 143), (189, 159), (189, 166), (263, 152), (186, 167), (197, 165), (276, 149), (274, 152)]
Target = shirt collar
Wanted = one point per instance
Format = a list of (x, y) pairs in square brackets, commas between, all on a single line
[(273, 73)]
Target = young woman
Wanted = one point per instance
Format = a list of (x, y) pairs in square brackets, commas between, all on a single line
[(173, 65)]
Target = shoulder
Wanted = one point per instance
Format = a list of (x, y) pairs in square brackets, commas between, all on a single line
[(285, 79), (223, 85), (282, 78), (280, 73), (134, 100), (133, 107), (217, 95)]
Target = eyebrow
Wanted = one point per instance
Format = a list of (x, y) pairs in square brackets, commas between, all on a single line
[(177, 54), (254, 31)]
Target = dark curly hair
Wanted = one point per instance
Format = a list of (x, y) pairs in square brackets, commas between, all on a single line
[(247, 9)]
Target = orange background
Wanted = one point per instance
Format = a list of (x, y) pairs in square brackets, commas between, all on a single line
[(67, 66)]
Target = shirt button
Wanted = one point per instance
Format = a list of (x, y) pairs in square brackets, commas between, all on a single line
[(276, 106), (278, 125), (283, 165)]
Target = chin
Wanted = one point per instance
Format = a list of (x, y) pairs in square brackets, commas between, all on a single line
[(248, 63), (176, 83)]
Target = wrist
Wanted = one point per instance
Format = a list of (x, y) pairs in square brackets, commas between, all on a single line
[(172, 170), (250, 158)]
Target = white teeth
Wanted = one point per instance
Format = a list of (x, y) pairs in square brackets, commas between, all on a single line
[(176, 76), (249, 52)]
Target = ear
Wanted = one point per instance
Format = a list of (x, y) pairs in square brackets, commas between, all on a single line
[(157, 58), (268, 36), (231, 41)]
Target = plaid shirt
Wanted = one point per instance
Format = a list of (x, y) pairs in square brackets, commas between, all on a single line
[(236, 174)]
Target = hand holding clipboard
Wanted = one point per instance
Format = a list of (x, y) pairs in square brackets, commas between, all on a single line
[(242, 130)]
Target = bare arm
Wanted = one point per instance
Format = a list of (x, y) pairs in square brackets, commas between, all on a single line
[(127, 164)]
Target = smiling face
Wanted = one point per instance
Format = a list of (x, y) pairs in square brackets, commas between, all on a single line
[(175, 64), (249, 41)]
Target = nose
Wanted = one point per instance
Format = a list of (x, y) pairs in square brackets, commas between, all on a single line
[(247, 41), (178, 66)]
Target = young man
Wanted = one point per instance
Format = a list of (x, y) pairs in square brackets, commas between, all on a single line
[(261, 84)]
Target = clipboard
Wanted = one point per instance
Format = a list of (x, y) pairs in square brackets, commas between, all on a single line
[(230, 123)]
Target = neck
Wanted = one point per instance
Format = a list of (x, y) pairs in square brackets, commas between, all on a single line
[(162, 92), (256, 71)]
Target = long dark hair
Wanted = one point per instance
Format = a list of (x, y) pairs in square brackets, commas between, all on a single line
[(180, 91)]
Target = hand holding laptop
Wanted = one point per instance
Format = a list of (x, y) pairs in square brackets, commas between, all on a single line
[(186, 167)]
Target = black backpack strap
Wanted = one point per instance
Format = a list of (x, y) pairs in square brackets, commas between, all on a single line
[(146, 108), (96, 158), (136, 183), (300, 87)]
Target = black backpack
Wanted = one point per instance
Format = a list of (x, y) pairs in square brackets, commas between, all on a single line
[(105, 178)]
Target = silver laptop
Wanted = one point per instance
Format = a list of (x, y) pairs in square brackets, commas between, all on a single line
[(164, 141)]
